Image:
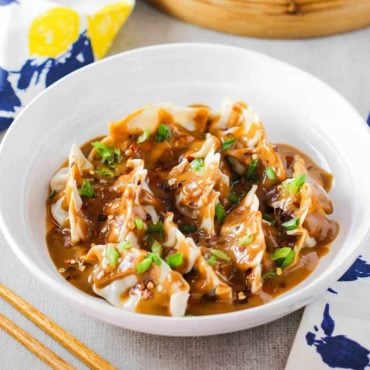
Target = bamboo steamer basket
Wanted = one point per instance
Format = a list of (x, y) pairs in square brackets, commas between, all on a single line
[(272, 18)]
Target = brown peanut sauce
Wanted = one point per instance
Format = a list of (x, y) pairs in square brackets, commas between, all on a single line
[(159, 160)]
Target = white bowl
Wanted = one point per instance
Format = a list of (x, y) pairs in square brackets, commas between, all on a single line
[(296, 108)]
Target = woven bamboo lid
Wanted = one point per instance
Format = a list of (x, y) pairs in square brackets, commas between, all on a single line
[(272, 18)]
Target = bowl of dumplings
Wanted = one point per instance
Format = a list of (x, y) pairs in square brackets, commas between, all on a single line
[(186, 196)]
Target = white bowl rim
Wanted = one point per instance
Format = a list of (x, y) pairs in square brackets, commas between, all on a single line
[(103, 307)]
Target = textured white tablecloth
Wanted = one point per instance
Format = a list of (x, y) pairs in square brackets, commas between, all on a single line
[(343, 61)]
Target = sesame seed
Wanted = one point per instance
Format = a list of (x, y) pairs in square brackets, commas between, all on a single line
[(61, 270), (150, 285), (279, 271)]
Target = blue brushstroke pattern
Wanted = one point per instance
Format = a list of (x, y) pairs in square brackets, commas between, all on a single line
[(7, 2), (33, 72), (8, 98), (368, 120), (330, 290), (81, 54), (359, 269), (338, 351)]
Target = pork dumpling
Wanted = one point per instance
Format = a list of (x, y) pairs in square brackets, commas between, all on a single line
[(66, 211), (147, 119), (136, 280), (244, 240), (307, 204), (127, 215), (244, 140), (199, 183), (208, 281)]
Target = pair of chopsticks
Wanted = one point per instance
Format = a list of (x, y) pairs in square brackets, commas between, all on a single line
[(50, 327)]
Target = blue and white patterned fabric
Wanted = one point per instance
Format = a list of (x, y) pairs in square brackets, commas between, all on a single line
[(43, 40)]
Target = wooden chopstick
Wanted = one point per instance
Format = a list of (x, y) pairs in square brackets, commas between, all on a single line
[(50, 327), (32, 344)]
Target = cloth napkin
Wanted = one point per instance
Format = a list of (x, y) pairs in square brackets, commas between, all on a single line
[(335, 329), (43, 40)]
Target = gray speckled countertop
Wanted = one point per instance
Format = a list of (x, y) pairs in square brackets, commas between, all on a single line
[(342, 61)]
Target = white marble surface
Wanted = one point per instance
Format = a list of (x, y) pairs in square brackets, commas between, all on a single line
[(343, 61)]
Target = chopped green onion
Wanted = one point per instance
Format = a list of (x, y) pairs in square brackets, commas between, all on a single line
[(52, 194), (197, 164), (212, 260), (156, 228), (156, 259), (220, 212), (139, 224), (291, 224), (175, 260), (124, 245), (143, 137), (228, 143), (156, 248), (283, 257), (187, 228), (294, 185), (103, 171), (245, 240), (221, 255), (145, 264), (288, 259), (109, 155), (163, 133), (234, 198), (270, 173), (269, 275), (112, 255), (86, 189), (251, 173), (280, 253)]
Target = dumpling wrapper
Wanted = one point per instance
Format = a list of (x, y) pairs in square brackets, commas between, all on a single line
[(66, 211), (243, 222), (119, 284)]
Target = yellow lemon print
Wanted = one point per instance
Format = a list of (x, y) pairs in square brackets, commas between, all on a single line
[(104, 25), (53, 32)]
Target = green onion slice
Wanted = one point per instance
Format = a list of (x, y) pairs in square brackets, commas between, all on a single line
[(291, 224), (163, 133), (109, 155), (220, 212), (175, 260), (283, 257), (112, 255), (228, 143), (139, 224), (245, 240), (143, 137), (86, 189), (104, 171), (294, 185), (156, 248), (212, 260), (221, 255), (52, 194), (197, 164), (145, 264), (270, 173), (269, 275), (124, 245)]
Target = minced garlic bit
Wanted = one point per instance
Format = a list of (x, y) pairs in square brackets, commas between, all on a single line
[(279, 271), (241, 296), (150, 285)]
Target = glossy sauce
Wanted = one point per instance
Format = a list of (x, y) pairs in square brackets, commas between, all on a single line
[(64, 254)]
